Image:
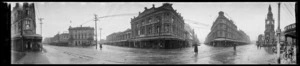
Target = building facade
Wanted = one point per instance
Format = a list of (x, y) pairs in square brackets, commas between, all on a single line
[(23, 19), (80, 36), (224, 31), (119, 36), (161, 27), (23, 28), (55, 39), (269, 28), (60, 39), (64, 37), (163, 20)]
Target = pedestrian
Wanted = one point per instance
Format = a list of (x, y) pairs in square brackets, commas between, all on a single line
[(196, 48), (28, 46), (234, 47), (100, 46)]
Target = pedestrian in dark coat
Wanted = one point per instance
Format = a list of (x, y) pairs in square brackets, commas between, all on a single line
[(195, 48), (234, 47)]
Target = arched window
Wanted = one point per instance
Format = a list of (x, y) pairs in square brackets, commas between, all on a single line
[(149, 20), (139, 32), (158, 19), (150, 30), (27, 12), (166, 28), (158, 29), (27, 24), (172, 20)]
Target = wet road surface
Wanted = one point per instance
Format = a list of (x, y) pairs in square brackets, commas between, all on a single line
[(244, 54)]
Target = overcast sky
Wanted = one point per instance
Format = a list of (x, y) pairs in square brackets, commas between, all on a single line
[(248, 16)]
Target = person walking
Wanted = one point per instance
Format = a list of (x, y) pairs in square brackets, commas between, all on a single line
[(196, 48), (234, 47), (100, 46)]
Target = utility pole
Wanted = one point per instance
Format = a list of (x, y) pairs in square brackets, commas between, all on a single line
[(96, 19), (41, 19), (278, 34), (100, 37)]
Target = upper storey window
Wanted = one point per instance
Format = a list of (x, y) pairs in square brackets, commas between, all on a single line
[(27, 12), (158, 19), (137, 25), (27, 24), (143, 22), (172, 20), (149, 20)]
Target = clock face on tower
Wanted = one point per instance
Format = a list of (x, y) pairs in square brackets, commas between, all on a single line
[(268, 22)]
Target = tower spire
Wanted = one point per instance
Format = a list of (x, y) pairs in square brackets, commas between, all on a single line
[(270, 9)]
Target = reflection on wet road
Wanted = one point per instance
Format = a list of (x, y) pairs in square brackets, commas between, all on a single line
[(244, 54)]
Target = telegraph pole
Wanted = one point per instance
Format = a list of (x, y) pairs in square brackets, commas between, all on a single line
[(41, 19), (278, 34), (96, 19), (100, 37)]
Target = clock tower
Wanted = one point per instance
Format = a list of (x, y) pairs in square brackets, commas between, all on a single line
[(269, 28)]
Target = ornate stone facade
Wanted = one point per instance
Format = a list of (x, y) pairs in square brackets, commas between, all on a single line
[(269, 28)]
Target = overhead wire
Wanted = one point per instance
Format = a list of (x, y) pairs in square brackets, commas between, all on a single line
[(291, 15), (195, 22), (288, 10)]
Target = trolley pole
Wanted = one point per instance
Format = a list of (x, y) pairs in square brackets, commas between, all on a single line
[(96, 19)]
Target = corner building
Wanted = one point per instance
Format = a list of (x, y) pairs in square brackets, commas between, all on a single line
[(160, 27), (80, 36)]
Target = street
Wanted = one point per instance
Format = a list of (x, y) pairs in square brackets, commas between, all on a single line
[(166, 33), (246, 54)]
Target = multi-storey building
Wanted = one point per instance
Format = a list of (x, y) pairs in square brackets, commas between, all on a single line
[(60, 39), (161, 27), (269, 28), (55, 39), (119, 36), (225, 33), (79, 36), (23, 28), (64, 37)]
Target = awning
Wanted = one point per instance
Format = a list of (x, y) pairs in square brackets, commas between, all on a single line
[(33, 36), (157, 37)]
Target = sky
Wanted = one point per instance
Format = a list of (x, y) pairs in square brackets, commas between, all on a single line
[(248, 16)]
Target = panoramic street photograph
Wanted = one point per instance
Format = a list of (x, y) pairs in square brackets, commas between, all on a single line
[(153, 33)]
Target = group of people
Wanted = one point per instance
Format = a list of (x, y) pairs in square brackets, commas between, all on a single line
[(289, 53), (33, 46)]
